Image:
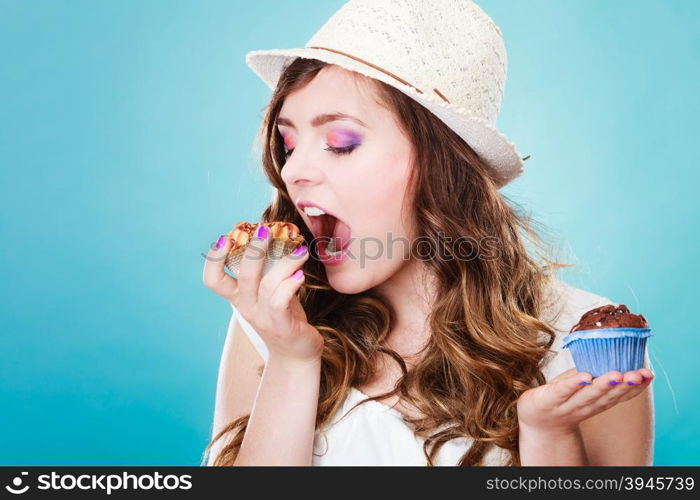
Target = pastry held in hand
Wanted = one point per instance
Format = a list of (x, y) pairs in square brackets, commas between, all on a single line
[(608, 338), (286, 238)]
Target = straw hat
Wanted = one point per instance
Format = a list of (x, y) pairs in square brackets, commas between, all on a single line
[(448, 55)]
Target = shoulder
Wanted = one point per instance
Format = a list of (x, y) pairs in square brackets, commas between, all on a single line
[(563, 307), (565, 303)]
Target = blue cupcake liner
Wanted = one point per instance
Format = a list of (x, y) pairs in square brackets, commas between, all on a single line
[(606, 349)]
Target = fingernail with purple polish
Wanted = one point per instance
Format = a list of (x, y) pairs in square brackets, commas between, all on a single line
[(262, 232), (632, 383), (221, 241), (613, 382), (301, 250), (584, 383)]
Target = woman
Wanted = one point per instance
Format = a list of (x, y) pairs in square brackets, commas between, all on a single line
[(402, 347)]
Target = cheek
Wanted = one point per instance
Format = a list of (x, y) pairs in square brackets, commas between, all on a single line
[(379, 194), (392, 178)]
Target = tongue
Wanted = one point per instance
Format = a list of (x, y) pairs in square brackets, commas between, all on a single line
[(341, 235)]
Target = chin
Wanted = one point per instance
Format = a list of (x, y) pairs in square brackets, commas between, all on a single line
[(348, 281)]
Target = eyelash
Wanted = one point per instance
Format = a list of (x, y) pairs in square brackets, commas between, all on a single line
[(336, 151)]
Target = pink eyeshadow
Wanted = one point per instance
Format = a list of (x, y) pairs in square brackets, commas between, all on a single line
[(343, 138), (288, 142)]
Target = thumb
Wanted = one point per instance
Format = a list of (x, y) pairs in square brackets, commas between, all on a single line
[(564, 385), (566, 374), (214, 276)]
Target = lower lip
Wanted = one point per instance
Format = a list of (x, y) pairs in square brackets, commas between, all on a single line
[(331, 260)]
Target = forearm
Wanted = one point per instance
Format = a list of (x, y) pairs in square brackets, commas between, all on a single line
[(237, 383), (229, 383), (283, 420), (551, 448)]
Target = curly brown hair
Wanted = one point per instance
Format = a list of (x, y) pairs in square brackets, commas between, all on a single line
[(488, 337)]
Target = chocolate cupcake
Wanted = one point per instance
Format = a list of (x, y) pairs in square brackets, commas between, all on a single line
[(608, 338)]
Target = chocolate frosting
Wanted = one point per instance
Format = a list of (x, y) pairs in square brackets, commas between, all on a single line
[(610, 316)]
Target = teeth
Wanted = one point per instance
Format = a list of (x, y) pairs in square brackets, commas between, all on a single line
[(313, 211), (330, 248)]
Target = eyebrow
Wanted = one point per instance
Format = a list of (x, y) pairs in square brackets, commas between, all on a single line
[(322, 119)]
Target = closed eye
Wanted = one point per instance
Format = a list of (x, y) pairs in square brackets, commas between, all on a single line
[(336, 151), (342, 151)]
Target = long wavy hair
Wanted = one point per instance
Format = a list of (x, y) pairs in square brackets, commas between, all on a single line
[(487, 338)]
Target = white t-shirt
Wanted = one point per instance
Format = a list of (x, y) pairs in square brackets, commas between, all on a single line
[(376, 434)]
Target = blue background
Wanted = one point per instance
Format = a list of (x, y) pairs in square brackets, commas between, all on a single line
[(125, 149)]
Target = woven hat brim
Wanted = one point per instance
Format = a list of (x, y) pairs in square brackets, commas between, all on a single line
[(487, 141)]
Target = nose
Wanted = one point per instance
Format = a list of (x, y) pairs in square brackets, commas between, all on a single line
[(301, 169)]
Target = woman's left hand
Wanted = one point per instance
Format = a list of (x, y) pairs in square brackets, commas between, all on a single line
[(572, 397)]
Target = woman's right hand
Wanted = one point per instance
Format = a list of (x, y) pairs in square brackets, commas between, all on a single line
[(269, 303)]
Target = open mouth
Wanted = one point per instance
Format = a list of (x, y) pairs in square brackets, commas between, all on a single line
[(332, 234)]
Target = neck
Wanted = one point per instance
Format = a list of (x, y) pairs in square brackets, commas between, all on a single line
[(410, 292)]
